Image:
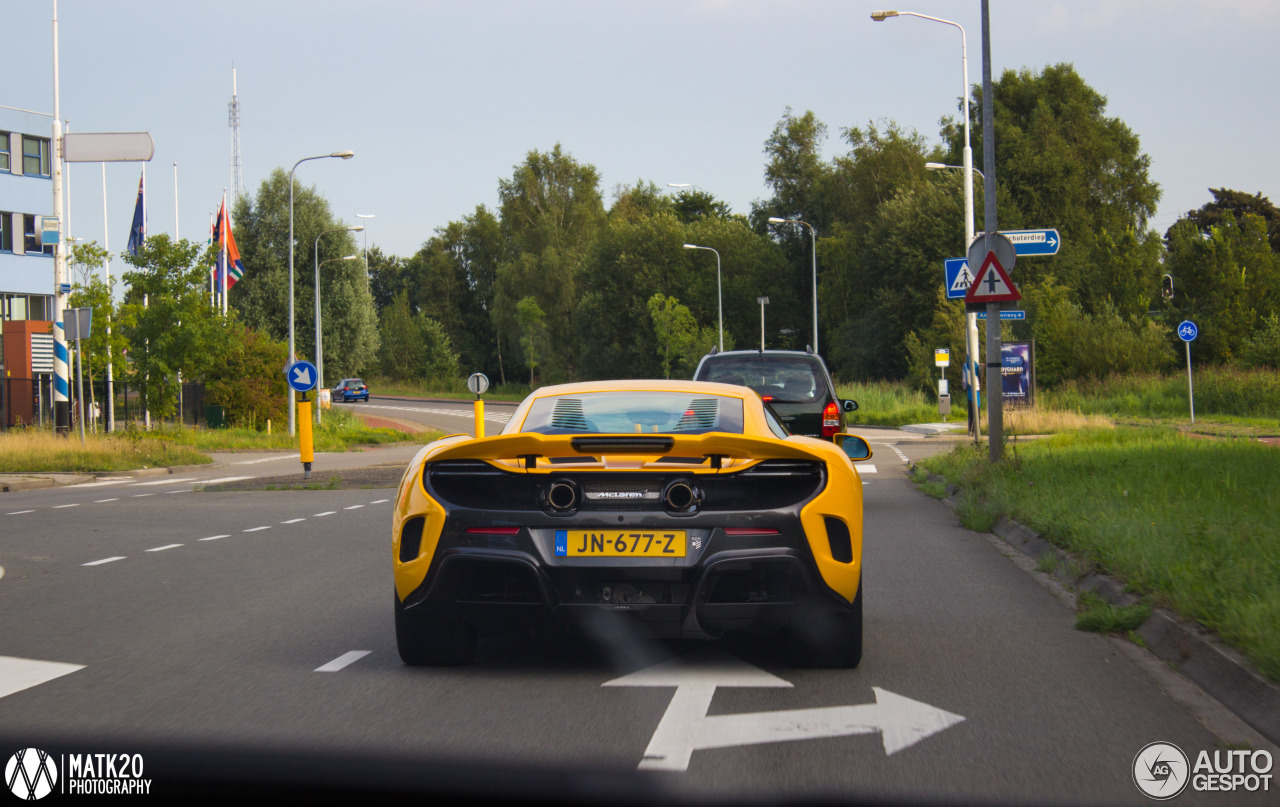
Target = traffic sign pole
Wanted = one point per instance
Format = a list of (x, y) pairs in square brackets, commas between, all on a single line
[(1188, 332)]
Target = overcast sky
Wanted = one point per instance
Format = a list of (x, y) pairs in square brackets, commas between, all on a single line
[(441, 99)]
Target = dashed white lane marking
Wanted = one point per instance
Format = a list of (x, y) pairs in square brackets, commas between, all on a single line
[(864, 468), (224, 479), (17, 674), (325, 513), (104, 560), (62, 506), (215, 537), (293, 521), (19, 512), (344, 660), (104, 501), (140, 495), (379, 501), (255, 529), (163, 482), (102, 483), (353, 507), (163, 548), (264, 459), (188, 490)]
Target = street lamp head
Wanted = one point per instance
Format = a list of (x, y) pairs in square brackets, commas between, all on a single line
[(936, 166), (881, 16), (346, 155), (349, 257), (692, 246), (357, 228), (364, 215), (776, 220), (677, 184)]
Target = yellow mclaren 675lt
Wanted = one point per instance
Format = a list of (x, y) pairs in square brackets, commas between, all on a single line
[(682, 506)]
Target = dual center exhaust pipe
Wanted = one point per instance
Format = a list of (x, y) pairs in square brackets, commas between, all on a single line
[(680, 496)]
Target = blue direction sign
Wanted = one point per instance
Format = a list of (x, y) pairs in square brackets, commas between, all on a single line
[(958, 277), (302, 376), (1188, 331), (1005, 315), (1033, 242)]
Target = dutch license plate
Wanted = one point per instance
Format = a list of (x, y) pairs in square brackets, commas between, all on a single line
[(620, 543)]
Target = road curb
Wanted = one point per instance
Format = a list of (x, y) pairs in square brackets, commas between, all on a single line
[(1187, 647), (16, 483)]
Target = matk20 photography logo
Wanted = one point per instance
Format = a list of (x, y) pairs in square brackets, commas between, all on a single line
[(1161, 771), (32, 774)]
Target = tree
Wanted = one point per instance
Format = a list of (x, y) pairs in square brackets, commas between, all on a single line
[(530, 317), (674, 327), (91, 291), (247, 379), (414, 347), (168, 320), (1236, 204), (550, 213), (262, 231)]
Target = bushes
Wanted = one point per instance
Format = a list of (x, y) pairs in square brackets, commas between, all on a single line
[(249, 381)]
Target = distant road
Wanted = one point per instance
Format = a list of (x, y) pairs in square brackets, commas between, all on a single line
[(450, 417)]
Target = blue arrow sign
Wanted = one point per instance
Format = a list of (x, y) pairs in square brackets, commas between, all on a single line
[(1005, 315), (1033, 242), (1188, 331), (958, 277), (301, 376)]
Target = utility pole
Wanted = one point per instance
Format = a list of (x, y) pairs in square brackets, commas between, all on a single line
[(995, 385)]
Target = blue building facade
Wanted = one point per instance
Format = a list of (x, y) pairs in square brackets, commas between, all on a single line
[(26, 197)]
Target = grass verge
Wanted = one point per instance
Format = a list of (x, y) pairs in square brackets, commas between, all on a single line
[(41, 451), (456, 388), (1188, 523)]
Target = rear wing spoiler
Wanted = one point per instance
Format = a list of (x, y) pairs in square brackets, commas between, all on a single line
[(713, 446)]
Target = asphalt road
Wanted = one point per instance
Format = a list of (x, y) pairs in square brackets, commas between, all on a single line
[(262, 621), (450, 417)]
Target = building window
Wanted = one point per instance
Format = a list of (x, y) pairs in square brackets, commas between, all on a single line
[(35, 156), (31, 237), (6, 231), (4, 151)]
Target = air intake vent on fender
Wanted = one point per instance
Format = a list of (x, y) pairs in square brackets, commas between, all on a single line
[(411, 539), (841, 543)]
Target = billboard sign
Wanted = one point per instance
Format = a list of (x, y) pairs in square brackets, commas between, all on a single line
[(1017, 372)]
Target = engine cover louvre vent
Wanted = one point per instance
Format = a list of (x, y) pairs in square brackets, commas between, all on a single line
[(568, 415), (703, 413)]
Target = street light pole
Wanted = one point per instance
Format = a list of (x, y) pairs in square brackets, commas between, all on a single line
[(719, 296), (813, 236), (366, 245), (763, 301), (293, 356), (319, 342), (971, 319)]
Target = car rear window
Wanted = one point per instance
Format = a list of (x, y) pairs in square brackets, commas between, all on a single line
[(632, 412), (782, 379)]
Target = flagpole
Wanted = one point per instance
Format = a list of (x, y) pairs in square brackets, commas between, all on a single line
[(61, 402), (225, 228), (176, 236), (106, 271), (213, 276)]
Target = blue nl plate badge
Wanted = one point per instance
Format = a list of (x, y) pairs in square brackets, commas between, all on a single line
[(562, 543)]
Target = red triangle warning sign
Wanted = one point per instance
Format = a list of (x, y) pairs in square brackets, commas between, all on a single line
[(992, 284)]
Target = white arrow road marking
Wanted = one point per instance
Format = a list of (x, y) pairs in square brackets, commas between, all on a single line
[(17, 674), (344, 660), (685, 727)]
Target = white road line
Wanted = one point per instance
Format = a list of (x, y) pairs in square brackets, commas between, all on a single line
[(188, 490), (379, 501), (101, 483), (344, 660), (264, 459), (163, 482), (104, 501), (353, 507), (325, 513), (61, 506), (19, 512), (255, 529), (163, 548), (225, 479), (104, 560), (293, 521), (215, 537), (864, 468), (140, 495), (17, 674)]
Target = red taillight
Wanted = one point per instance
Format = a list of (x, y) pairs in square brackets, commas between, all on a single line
[(766, 398), (493, 530), (749, 531), (830, 419)]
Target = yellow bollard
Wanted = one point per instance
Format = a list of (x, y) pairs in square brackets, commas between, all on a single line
[(479, 417), (268, 428), (304, 437)]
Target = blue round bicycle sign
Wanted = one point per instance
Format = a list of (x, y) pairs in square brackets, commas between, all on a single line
[(1188, 331)]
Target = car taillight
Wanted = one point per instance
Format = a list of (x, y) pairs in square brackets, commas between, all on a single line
[(830, 419)]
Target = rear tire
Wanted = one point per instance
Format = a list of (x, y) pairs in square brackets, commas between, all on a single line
[(828, 635), (427, 636)]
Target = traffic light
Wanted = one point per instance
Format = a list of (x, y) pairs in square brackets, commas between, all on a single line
[(1166, 287)]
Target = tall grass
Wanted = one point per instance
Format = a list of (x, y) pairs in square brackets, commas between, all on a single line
[(40, 451), (1188, 523), (1228, 391)]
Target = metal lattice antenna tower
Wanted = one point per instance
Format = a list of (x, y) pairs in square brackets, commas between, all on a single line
[(233, 120)]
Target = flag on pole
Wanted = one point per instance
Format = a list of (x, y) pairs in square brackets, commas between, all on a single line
[(228, 255), (138, 231)]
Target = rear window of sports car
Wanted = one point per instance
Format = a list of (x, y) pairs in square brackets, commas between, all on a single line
[(635, 413)]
